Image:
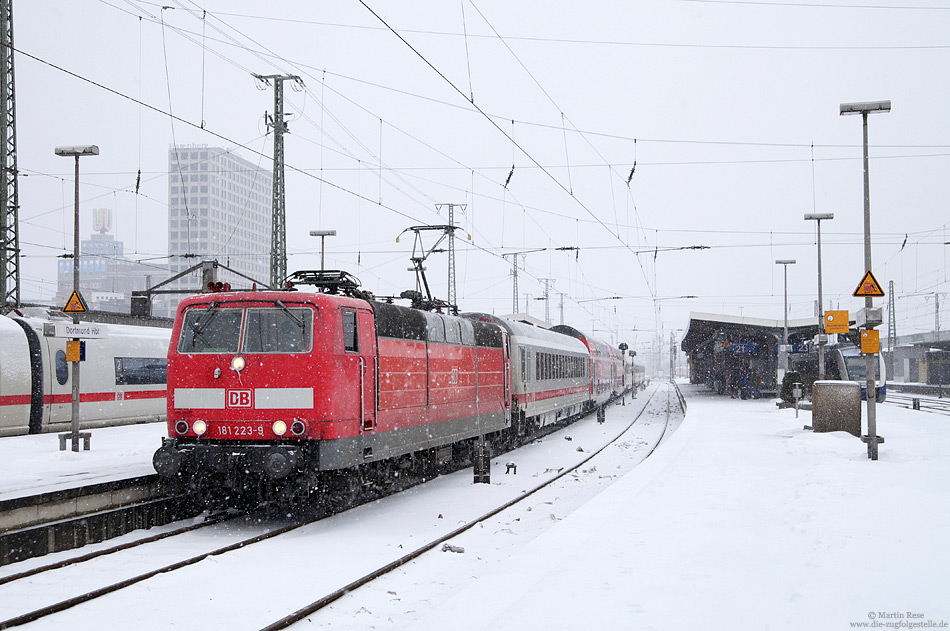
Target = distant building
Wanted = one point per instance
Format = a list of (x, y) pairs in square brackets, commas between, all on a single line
[(219, 207), (106, 277)]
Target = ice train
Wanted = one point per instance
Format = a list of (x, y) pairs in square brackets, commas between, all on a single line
[(122, 379)]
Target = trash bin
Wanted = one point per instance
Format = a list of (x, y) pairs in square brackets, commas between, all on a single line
[(836, 407)]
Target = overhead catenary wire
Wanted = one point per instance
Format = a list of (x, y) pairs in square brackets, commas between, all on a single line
[(493, 123), (563, 130)]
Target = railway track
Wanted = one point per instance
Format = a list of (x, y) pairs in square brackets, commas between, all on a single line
[(68, 603), (210, 521), (923, 402), (32, 613)]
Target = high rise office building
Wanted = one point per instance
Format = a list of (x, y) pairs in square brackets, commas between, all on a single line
[(219, 207)]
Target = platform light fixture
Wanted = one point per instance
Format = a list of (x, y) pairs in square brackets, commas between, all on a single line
[(323, 234), (822, 336), (784, 353), (865, 108), (76, 152)]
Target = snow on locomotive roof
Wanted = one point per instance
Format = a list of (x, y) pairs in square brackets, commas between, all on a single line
[(541, 336)]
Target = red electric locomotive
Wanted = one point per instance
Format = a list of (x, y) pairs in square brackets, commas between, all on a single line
[(275, 395)]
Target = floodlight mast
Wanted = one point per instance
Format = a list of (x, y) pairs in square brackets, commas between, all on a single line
[(822, 336), (75, 152), (323, 234), (865, 108), (784, 354)]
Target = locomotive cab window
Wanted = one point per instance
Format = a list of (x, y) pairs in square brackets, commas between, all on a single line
[(212, 330), (278, 330), (350, 339)]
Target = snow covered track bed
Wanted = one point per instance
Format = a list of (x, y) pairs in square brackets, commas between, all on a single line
[(251, 586), (639, 443)]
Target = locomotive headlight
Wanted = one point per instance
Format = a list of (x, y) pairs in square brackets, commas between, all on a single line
[(280, 428), (237, 363), (200, 427)]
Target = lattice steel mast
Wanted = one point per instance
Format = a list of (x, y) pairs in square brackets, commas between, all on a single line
[(278, 261), (9, 198), (451, 234)]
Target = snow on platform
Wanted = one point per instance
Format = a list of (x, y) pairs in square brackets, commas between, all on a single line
[(31, 465), (741, 520)]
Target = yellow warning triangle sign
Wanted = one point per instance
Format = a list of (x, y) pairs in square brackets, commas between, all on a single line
[(75, 304), (868, 287)]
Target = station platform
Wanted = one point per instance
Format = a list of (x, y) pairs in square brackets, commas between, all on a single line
[(34, 465)]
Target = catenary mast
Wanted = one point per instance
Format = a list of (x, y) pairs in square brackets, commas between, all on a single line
[(278, 266), (9, 199)]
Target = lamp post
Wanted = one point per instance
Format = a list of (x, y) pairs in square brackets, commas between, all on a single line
[(323, 234), (784, 350), (822, 337), (76, 152), (864, 109)]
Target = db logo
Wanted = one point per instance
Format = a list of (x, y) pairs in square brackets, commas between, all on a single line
[(239, 398)]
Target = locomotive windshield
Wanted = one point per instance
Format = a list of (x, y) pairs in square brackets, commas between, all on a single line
[(277, 329), (280, 330), (213, 330)]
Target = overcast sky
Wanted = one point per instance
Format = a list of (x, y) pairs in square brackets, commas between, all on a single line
[(729, 111)]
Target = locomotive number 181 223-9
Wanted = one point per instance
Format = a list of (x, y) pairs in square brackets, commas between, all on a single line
[(237, 430)]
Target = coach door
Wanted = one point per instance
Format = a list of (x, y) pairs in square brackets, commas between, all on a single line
[(506, 367)]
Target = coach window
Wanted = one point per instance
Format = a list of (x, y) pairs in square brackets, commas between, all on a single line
[(350, 339), (138, 371), (62, 368)]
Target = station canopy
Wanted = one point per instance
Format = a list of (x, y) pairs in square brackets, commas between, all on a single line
[(706, 328)]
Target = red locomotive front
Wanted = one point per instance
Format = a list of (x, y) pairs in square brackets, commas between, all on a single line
[(263, 366)]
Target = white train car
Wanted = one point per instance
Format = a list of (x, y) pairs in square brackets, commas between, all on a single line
[(122, 380), (550, 379)]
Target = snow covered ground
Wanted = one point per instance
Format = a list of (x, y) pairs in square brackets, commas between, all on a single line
[(740, 520)]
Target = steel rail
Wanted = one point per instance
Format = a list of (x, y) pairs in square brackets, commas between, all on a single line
[(926, 403), (210, 521)]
